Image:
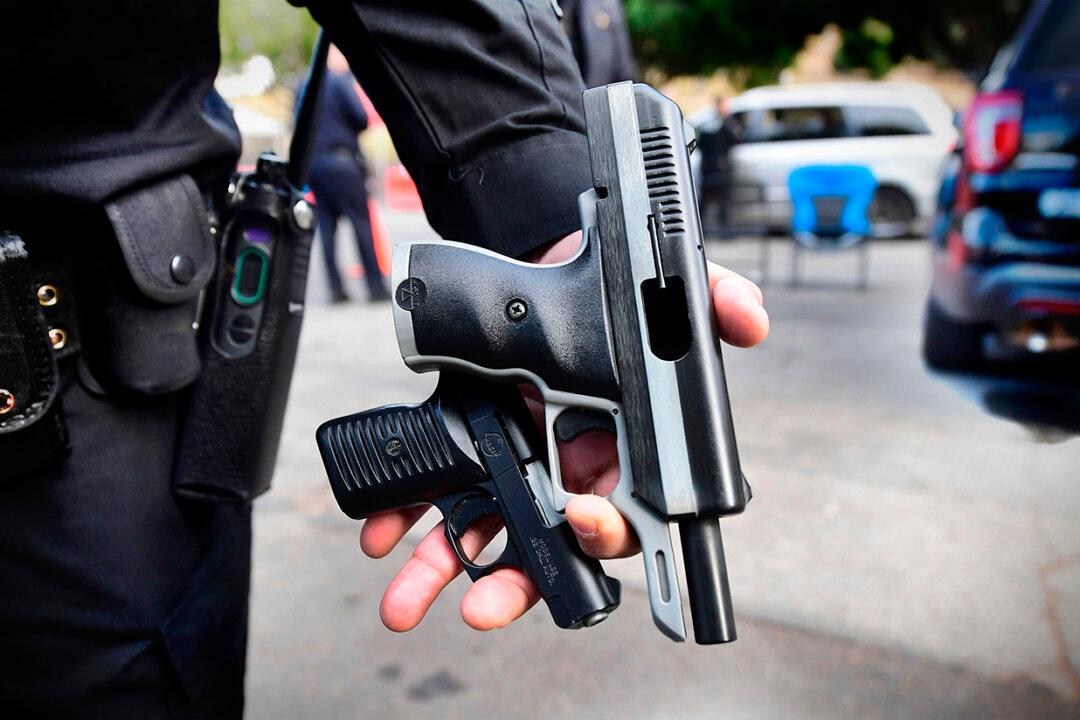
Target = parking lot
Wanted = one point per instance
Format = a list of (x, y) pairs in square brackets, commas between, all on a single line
[(912, 547)]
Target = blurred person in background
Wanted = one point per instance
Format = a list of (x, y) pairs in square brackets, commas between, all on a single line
[(715, 138), (600, 39), (120, 598), (339, 177)]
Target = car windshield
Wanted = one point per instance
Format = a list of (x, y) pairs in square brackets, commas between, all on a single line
[(1053, 45)]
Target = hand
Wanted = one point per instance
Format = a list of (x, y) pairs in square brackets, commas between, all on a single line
[(589, 466)]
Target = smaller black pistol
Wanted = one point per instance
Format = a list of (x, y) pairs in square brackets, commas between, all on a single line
[(470, 450)]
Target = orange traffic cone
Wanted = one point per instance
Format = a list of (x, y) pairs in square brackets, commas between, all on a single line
[(383, 247), (400, 190)]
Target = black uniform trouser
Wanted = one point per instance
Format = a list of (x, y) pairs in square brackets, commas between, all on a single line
[(340, 189), (116, 600), (716, 200)]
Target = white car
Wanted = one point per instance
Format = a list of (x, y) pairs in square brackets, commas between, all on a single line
[(901, 132)]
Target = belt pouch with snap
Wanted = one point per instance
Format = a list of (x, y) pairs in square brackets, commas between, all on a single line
[(138, 319), (33, 435)]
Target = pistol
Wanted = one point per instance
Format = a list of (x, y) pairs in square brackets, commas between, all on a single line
[(621, 337), (472, 451)]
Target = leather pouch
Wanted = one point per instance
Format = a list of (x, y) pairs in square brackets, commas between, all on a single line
[(138, 320), (33, 436)]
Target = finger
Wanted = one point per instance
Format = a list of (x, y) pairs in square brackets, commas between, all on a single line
[(719, 272), (743, 321), (498, 599), (430, 569), (381, 533), (601, 531), (590, 463), (557, 251)]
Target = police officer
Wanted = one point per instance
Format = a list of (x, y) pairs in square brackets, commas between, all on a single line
[(117, 599), (339, 177)]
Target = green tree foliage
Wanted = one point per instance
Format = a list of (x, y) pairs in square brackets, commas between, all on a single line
[(760, 37), (867, 46), (273, 28)]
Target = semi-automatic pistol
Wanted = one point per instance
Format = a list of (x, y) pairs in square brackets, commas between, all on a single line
[(620, 337)]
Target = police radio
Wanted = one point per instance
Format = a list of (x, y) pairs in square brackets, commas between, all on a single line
[(251, 321)]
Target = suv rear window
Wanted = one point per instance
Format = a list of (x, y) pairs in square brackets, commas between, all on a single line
[(880, 121), (798, 123), (1053, 45), (824, 123)]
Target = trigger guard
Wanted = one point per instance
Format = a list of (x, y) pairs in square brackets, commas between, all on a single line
[(586, 416), (464, 513)]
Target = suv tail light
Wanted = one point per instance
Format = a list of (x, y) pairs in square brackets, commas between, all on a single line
[(992, 130)]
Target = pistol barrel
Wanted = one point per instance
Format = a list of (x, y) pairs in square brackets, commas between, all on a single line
[(707, 581)]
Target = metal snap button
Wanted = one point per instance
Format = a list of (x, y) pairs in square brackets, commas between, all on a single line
[(182, 269), (58, 338), (304, 215), (48, 295), (7, 401)]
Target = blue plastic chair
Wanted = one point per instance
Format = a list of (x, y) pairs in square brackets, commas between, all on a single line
[(830, 211)]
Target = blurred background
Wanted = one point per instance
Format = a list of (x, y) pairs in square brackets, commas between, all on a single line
[(909, 427)]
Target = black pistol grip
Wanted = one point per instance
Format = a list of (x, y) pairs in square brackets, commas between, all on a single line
[(502, 314), (397, 456)]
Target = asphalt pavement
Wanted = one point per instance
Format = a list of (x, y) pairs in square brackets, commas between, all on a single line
[(912, 549)]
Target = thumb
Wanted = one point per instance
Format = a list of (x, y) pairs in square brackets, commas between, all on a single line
[(601, 531)]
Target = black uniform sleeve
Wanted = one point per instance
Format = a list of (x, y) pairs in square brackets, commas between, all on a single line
[(483, 101)]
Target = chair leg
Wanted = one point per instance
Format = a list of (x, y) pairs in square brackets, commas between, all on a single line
[(796, 263), (763, 259), (864, 265)]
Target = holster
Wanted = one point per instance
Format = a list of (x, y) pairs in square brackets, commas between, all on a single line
[(249, 334), (33, 435)]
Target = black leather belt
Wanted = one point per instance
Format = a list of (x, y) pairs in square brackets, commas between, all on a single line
[(344, 152)]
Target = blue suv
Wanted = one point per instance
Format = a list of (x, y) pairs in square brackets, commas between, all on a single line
[(1006, 239)]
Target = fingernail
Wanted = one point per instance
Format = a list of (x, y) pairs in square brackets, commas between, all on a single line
[(586, 527)]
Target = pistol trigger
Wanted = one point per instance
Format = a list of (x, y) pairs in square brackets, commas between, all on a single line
[(559, 495), (578, 421)]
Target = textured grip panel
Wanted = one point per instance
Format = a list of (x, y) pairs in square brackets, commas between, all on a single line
[(403, 444), (559, 333), (396, 456)]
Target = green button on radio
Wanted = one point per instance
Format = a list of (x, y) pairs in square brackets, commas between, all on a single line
[(249, 281)]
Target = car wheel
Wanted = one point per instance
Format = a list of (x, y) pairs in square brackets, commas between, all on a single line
[(948, 344), (891, 212)]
